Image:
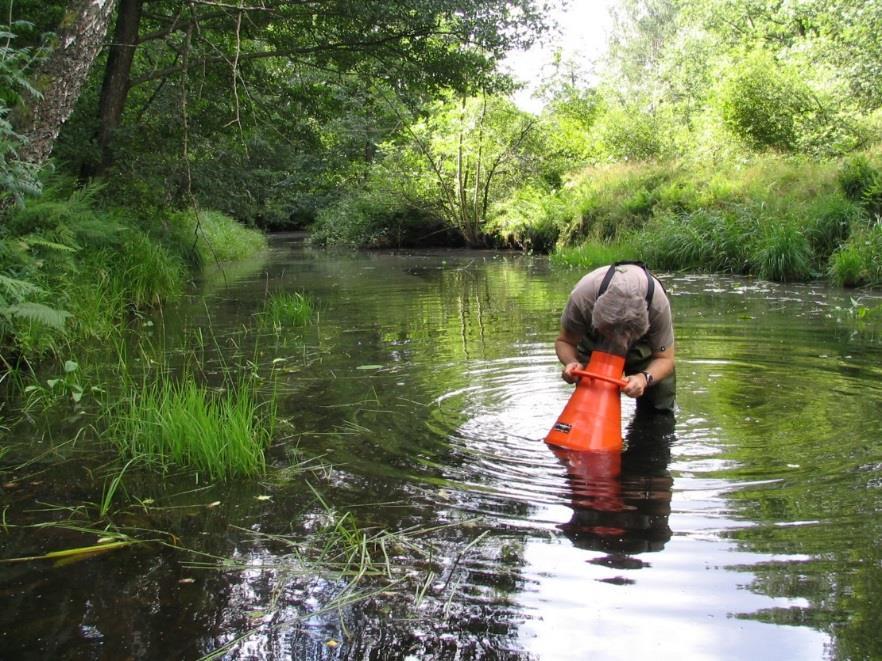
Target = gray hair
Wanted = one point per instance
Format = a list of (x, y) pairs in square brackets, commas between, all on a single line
[(620, 314)]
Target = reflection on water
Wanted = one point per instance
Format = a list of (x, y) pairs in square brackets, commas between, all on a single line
[(621, 501), (747, 526)]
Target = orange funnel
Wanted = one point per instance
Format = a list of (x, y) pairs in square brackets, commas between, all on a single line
[(592, 419)]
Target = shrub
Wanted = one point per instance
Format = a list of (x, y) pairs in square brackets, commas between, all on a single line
[(530, 219), (847, 267), (829, 219), (628, 133), (708, 240), (378, 219), (857, 176), (762, 101)]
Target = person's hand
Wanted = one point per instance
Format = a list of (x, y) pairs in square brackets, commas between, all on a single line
[(636, 385), (567, 374)]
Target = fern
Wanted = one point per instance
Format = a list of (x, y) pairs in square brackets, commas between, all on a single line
[(17, 290), (39, 313)]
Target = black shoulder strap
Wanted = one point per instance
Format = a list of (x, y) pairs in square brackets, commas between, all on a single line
[(611, 271)]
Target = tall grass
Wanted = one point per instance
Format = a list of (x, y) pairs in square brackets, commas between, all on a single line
[(591, 255), (207, 236), (779, 218), (220, 433), (286, 310)]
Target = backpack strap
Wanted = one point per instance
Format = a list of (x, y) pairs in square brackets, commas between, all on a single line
[(610, 272)]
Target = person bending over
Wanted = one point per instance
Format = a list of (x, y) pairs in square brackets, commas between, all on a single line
[(622, 309)]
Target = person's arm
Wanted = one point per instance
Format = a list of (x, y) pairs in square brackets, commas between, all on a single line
[(565, 346), (661, 366)]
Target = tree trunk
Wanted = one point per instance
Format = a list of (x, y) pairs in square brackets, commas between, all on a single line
[(61, 77), (116, 84)]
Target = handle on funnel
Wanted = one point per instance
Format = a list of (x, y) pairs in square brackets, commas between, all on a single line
[(621, 383)]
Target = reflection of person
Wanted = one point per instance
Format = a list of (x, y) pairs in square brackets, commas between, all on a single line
[(621, 503), (622, 309)]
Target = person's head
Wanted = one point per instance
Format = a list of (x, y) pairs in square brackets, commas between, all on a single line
[(620, 315)]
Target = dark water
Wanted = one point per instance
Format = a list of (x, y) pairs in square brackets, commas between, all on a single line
[(746, 528)]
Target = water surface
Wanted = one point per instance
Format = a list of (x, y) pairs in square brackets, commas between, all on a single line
[(746, 527)]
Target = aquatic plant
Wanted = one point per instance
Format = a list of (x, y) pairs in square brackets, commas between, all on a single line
[(220, 433), (284, 310)]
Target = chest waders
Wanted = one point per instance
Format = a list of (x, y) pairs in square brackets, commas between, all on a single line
[(660, 396)]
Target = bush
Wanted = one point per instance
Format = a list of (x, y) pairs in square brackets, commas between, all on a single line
[(530, 219), (762, 102), (829, 219), (376, 219), (629, 133), (857, 176), (847, 267)]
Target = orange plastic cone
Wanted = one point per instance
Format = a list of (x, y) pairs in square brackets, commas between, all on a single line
[(592, 419)]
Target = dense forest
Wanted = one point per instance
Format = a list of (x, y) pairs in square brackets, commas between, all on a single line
[(141, 139)]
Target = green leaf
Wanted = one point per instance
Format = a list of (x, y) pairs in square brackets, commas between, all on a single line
[(40, 313), (70, 366)]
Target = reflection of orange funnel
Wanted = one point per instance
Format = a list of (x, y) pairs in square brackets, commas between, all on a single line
[(592, 419)]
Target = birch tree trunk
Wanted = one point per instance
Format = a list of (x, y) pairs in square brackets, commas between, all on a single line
[(61, 78)]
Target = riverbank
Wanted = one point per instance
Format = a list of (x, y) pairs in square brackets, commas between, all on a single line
[(785, 219), (75, 268)]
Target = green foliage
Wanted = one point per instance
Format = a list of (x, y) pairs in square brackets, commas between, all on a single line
[(828, 222), (629, 133), (703, 240), (859, 260), (286, 310), (380, 218), (528, 219), (861, 181), (762, 103), (593, 255), (206, 237), (847, 267), (17, 179), (221, 434), (782, 253)]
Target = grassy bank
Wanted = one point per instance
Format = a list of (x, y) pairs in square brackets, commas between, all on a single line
[(72, 268), (783, 219)]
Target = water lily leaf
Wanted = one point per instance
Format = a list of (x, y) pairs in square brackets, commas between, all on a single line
[(70, 366)]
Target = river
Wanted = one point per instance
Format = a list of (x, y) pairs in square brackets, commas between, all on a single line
[(413, 411)]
